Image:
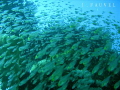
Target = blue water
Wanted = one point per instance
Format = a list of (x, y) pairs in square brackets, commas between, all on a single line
[(103, 7), (97, 6)]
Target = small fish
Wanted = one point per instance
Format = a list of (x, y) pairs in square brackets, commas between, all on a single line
[(112, 65), (108, 45), (98, 51), (23, 82), (33, 67), (22, 48), (4, 54), (95, 37), (40, 54), (54, 52), (39, 86), (69, 35), (100, 72), (7, 63), (68, 42), (85, 61), (113, 57), (105, 81), (111, 12), (117, 70), (71, 65), (1, 6), (11, 47), (45, 68), (63, 87), (64, 79), (92, 10), (57, 73), (96, 68), (117, 85), (9, 2), (84, 50), (15, 9), (75, 46)]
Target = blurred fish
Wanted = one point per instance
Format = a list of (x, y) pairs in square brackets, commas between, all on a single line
[(96, 68), (85, 61), (63, 80), (111, 12), (15, 9), (57, 74), (112, 65), (7, 63), (2, 5), (71, 65), (54, 52), (100, 72), (117, 85), (39, 86), (105, 81)]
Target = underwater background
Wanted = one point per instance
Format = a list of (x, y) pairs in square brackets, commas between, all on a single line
[(59, 45)]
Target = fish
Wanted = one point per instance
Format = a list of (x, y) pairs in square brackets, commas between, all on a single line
[(105, 81), (96, 68), (39, 86), (71, 65), (64, 79), (2, 5), (57, 74), (112, 65), (15, 9), (85, 61), (117, 85), (23, 82), (54, 52)]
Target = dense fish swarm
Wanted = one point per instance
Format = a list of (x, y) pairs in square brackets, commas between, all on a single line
[(56, 51)]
